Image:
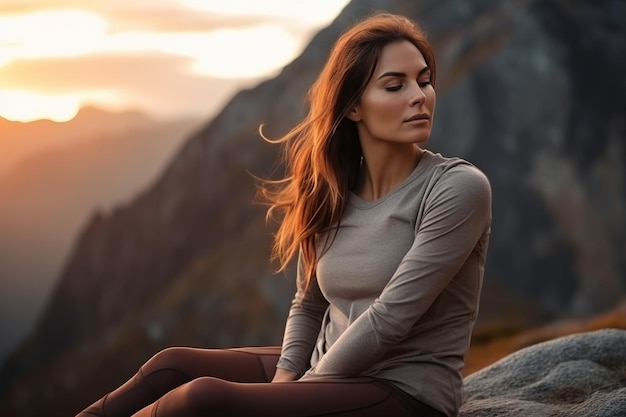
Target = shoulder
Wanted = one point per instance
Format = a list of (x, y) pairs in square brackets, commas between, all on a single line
[(465, 176), (456, 179), (456, 171)]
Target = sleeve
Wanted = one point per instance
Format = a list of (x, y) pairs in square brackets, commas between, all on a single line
[(303, 324), (457, 214)]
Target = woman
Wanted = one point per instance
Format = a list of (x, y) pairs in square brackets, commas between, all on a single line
[(391, 241)]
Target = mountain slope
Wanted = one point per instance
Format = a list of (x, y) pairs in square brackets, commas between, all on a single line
[(93, 162)]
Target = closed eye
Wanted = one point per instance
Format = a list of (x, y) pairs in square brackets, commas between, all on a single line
[(424, 83), (393, 88)]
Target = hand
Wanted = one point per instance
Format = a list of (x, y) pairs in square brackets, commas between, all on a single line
[(283, 375)]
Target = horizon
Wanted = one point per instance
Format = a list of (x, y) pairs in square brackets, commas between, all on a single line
[(112, 112)]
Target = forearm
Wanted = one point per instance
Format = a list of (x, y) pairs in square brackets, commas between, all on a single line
[(301, 330), (352, 354)]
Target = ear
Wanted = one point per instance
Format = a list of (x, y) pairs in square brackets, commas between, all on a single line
[(354, 114)]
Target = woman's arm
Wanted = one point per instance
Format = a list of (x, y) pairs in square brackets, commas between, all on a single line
[(457, 215), (302, 328)]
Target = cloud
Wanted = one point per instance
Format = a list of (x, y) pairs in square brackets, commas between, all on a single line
[(167, 56), (162, 16), (27, 6), (176, 20), (161, 83)]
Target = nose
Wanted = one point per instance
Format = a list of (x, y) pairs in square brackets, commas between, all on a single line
[(417, 95)]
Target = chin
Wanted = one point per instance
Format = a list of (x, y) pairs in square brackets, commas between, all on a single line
[(420, 141)]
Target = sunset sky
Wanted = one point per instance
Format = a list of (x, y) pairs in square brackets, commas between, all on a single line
[(170, 58)]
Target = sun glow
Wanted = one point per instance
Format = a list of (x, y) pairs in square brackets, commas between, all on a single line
[(244, 53), (24, 106), (49, 34)]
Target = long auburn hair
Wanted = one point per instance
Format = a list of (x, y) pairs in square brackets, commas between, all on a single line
[(322, 154)]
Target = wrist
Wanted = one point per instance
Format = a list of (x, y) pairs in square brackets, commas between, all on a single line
[(284, 375)]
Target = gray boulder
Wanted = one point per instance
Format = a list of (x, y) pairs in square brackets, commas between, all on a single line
[(577, 375)]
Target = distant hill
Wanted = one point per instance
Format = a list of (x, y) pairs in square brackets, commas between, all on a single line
[(66, 172), (531, 92), (18, 140)]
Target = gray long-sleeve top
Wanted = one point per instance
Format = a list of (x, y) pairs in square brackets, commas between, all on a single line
[(396, 295)]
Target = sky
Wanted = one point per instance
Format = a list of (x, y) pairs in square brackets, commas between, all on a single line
[(168, 58)]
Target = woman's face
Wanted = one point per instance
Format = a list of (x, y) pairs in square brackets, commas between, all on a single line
[(398, 103)]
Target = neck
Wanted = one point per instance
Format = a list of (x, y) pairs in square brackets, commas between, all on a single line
[(382, 170)]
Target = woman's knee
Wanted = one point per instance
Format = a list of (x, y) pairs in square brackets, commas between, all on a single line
[(208, 394), (171, 359)]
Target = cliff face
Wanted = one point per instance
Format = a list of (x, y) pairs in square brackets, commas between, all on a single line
[(532, 92), (522, 105)]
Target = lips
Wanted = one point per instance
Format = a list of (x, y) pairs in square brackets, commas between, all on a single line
[(420, 116)]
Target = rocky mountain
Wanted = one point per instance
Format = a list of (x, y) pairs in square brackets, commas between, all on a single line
[(532, 92), (51, 186)]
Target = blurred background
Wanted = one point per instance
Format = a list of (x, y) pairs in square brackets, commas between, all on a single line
[(128, 133)]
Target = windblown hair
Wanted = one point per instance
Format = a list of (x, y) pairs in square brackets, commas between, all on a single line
[(322, 154)]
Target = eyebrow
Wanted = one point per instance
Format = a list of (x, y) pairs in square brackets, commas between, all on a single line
[(401, 74)]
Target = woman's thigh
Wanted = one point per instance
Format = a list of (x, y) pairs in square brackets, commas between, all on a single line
[(236, 365), (349, 397)]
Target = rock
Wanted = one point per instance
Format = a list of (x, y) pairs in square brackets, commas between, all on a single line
[(577, 375)]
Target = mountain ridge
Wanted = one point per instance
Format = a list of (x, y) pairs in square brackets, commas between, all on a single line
[(20, 139)]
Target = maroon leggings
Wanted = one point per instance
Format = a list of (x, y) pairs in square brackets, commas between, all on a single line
[(189, 382)]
